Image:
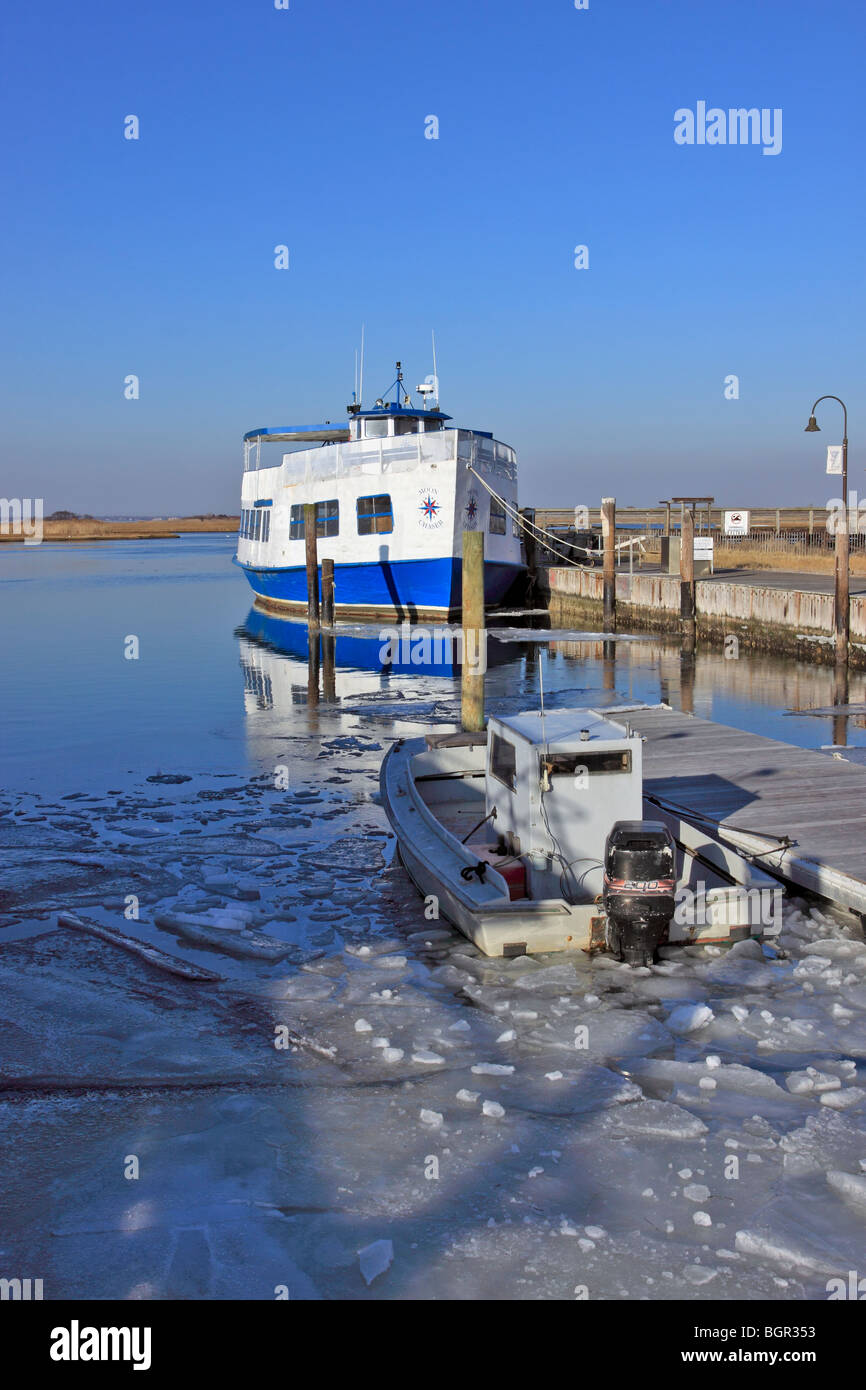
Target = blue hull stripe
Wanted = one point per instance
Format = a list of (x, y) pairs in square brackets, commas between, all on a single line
[(402, 586)]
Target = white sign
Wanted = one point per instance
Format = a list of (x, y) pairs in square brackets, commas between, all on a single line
[(703, 547), (736, 523), (834, 458)]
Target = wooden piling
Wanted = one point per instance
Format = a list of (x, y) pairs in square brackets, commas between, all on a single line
[(327, 593), (687, 579), (312, 565), (474, 636), (608, 536)]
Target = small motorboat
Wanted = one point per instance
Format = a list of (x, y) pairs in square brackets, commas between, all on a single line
[(534, 835)]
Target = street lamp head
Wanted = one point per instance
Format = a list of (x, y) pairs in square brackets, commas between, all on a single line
[(813, 427)]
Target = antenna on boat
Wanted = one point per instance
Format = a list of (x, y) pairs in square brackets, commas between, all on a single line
[(361, 378), (435, 375)]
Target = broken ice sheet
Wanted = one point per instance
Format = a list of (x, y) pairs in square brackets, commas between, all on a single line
[(375, 1259)]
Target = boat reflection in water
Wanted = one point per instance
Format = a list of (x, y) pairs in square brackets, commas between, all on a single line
[(798, 702), (282, 667)]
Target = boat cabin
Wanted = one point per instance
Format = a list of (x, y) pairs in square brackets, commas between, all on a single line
[(386, 421), (558, 782)]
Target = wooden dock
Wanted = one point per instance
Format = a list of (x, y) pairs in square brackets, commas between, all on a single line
[(801, 813)]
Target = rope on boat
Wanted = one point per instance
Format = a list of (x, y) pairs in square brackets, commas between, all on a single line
[(548, 537)]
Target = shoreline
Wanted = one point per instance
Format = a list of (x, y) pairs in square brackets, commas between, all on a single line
[(92, 529)]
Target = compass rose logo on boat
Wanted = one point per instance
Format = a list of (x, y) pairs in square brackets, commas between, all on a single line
[(430, 508), (470, 512)]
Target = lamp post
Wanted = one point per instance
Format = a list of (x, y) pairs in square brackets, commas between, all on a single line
[(841, 536)]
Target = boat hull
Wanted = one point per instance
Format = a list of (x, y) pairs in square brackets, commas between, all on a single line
[(417, 588)]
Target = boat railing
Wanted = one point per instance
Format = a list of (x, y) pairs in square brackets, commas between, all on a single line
[(397, 454)]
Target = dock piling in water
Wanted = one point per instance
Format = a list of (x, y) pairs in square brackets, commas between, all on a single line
[(608, 534), (687, 578), (327, 593), (312, 564), (472, 611)]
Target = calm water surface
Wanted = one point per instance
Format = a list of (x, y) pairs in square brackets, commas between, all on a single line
[(217, 685)]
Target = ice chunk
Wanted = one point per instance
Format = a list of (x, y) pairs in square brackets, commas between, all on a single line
[(493, 1109), (690, 1018), (392, 1054), (492, 1069), (850, 1186), (362, 1026), (375, 1259), (430, 1059), (659, 1117), (843, 1100), (783, 1250), (469, 1096), (696, 1192), (702, 1218), (431, 1117)]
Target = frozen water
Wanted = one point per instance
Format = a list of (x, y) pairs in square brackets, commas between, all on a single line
[(358, 1159)]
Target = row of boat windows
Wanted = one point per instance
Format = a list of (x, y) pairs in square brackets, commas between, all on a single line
[(375, 517), (379, 429), (255, 524)]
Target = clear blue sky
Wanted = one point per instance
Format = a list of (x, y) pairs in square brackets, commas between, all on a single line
[(306, 127)]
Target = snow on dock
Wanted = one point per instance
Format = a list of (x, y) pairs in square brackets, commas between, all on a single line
[(811, 806)]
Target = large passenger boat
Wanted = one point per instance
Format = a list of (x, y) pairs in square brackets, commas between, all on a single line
[(394, 489)]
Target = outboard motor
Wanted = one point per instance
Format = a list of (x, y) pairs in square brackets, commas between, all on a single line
[(638, 893)]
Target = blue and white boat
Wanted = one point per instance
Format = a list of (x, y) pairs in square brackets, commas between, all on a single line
[(394, 488)]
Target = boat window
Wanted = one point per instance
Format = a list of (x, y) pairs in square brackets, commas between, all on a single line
[(375, 429), (266, 525), (257, 525), (503, 760), (431, 425), (406, 424), (296, 523), (497, 518), (328, 518), (375, 515), (569, 764)]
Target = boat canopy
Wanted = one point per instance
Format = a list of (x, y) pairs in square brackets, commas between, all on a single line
[(391, 408), (300, 434)]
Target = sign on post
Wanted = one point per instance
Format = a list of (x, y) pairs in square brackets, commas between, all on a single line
[(834, 458), (736, 523)]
